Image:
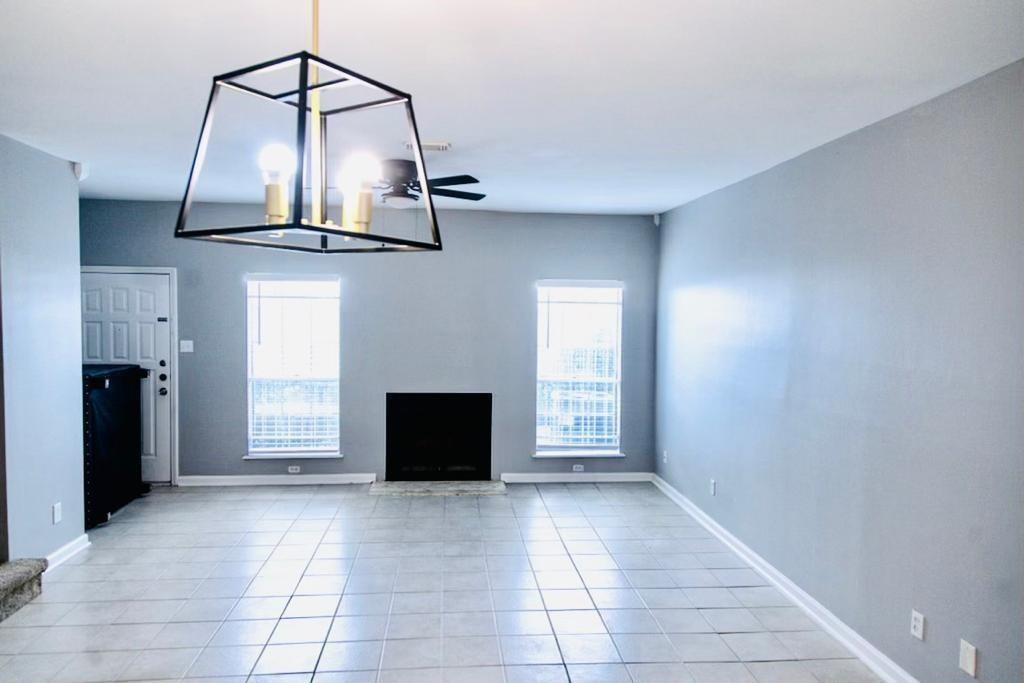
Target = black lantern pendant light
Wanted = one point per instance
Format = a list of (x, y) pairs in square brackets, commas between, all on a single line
[(300, 147)]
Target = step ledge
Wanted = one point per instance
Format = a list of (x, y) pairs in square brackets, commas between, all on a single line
[(17, 573)]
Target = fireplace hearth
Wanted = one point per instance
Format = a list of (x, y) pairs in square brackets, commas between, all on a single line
[(438, 437)]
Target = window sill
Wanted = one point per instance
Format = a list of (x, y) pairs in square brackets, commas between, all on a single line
[(294, 455), (582, 453)]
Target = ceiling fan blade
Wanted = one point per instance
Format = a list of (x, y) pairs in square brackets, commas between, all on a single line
[(452, 180), (457, 194)]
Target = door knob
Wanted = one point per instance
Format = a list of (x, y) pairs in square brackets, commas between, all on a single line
[(163, 377), (163, 364), (163, 391)]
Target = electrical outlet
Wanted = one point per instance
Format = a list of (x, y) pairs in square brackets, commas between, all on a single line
[(186, 346), (713, 488), (968, 658), (58, 513), (664, 457), (577, 468), (294, 469), (916, 624)]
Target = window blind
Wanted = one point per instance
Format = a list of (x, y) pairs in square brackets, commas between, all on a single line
[(579, 334), (293, 365)]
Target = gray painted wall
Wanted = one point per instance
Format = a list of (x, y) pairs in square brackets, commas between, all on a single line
[(841, 346), (42, 350), (460, 320)]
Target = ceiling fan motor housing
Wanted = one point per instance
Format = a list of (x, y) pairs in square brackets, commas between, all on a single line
[(401, 178)]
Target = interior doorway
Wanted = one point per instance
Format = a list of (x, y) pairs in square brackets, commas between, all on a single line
[(129, 316)]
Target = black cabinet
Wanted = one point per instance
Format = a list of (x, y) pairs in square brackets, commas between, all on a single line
[(112, 427)]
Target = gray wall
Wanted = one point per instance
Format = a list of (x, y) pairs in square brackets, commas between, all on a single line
[(841, 346), (463, 319), (42, 352)]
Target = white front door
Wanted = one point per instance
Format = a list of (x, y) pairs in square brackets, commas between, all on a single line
[(126, 319)]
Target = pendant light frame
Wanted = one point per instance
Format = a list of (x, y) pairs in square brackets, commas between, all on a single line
[(260, 235)]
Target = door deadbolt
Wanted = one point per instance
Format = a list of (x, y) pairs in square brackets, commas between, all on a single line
[(163, 391), (163, 377)]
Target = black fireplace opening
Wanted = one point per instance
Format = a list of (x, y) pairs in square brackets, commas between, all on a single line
[(438, 437)]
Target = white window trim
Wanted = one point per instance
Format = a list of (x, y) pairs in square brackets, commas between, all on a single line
[(303, 277), (285, 455), (293, 455), (597, 284), (581, 452), (564, 452)]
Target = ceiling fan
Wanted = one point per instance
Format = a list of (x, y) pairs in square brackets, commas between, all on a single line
[(402, 187)]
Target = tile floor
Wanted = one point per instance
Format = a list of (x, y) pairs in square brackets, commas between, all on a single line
[(549, 584)]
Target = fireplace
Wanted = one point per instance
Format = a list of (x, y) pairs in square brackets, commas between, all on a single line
[(438, 437)]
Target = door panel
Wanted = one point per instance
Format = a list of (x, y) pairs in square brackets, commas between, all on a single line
[(119, 341), (147, 341), (119, 299), (147, 301), (92, 300), (149, 424), (126, 319), (92, 342)]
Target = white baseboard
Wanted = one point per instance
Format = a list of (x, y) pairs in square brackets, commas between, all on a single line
[(874, 658), (573, 477), (66, 552), (276, 479)]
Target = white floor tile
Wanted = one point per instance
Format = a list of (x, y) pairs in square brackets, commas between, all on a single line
[(588, 582)]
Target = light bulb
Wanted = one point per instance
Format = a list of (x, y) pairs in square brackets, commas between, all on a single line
[(277, 163), (359, 169), (358, 174)]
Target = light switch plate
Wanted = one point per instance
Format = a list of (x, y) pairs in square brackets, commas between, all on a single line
[(968, 658), (58, 513), (577, 468), (185, 346), (713, 488)]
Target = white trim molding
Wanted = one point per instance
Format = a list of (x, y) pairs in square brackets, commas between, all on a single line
[(580, 454), (568, 282), (276, 479), (66, 552), (573, 477), (874, 658), (294, 455)]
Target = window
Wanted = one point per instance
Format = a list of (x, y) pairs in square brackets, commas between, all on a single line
[(293, 349), (579, 335)]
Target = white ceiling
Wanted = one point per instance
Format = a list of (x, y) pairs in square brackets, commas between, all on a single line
[(556, 105)]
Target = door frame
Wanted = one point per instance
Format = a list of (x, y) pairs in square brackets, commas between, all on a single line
[(172, 274)]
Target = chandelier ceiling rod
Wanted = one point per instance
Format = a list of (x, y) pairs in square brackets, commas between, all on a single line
[(316, 28), (317, 166)]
